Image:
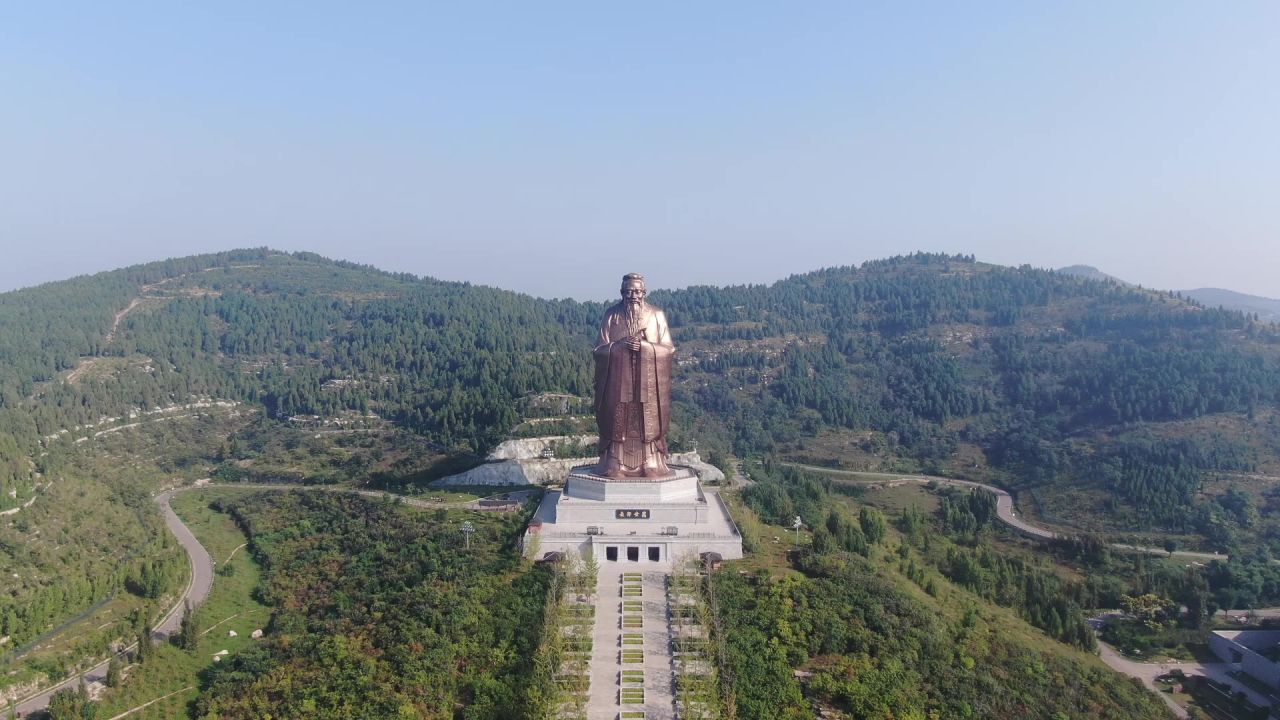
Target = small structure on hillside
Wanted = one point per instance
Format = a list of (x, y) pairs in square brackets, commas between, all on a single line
[(1255, 653)]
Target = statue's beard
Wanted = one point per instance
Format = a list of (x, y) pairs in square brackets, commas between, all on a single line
[(635, 315)]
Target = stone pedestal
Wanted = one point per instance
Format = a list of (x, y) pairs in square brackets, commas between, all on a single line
[(680, 486), (638, 520)]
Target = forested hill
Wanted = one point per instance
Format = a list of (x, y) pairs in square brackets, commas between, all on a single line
[(1114, 407), (296, 334), (925, 362)]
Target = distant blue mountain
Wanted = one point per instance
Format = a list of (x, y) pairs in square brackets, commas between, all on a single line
[(1268, 309), (1089, 272)]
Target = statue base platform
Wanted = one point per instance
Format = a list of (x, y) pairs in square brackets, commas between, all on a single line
[(643, 520), (680, 486)]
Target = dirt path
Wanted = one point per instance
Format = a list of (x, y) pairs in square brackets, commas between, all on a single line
[(115, 324), (131, 711), (147, 291)]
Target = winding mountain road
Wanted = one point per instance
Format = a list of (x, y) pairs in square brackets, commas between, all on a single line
[(202, 567), (196, 592), (1004, 507)]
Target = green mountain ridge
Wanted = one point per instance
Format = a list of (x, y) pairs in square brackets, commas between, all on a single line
[(1075, 390), (1106, 408)]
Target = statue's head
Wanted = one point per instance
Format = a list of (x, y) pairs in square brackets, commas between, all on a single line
[(633, 291)]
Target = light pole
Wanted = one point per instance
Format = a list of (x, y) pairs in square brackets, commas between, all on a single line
[(796, 525), (467, 529)]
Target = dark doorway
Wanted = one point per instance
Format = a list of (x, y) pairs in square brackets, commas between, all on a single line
[(655, 553), (611, 554), (633, 553)]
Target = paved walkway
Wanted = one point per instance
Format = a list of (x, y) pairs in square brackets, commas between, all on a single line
[(606, 654), (659, 700), (602, 702)]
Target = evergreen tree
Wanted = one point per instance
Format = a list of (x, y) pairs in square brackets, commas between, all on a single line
[(145, 648), (68, 704), (872, 523), (189, 632), (114, 672)]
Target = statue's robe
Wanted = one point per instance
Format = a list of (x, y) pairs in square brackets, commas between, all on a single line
[(633, 389)]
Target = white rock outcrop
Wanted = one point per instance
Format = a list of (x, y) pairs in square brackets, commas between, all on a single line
[(554, 471), (532, 448)]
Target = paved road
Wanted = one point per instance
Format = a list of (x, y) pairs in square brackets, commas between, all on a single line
[(1148, 672), (1267, 612), (516, 495), (202, 571), (196, 591), (1004, 507), (201, 567)]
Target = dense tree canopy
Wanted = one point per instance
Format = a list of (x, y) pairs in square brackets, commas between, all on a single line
[(929, 351), (380, 614)]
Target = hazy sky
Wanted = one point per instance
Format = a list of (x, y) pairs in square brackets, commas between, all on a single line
[(550, 147)]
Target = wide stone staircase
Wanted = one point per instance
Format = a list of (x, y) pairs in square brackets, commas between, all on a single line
[(631, 662)]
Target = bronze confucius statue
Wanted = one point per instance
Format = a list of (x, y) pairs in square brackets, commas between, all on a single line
[(633, 386)]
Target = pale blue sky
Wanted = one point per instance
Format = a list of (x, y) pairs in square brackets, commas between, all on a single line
[(513, 144)]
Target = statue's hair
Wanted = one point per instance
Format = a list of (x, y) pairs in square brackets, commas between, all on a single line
[(633, 276)]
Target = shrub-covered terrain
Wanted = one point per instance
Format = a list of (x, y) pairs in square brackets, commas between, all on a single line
[(379, 613), (872, 619)]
